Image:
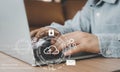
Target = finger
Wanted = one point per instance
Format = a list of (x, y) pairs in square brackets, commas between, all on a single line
[(53, 41), (75, 50), (40, 33), (32, 33), (61, 43), (44, 33), (57, 33)]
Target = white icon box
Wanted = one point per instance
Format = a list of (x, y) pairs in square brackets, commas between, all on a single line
[(71, 62), (51, 32)]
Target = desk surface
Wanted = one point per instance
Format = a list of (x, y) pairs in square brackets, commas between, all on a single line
[(99, 64)]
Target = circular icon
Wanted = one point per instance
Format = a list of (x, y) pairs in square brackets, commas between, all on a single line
[(48, 54)]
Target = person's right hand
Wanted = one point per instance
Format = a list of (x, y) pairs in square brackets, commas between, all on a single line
[(42, 32)]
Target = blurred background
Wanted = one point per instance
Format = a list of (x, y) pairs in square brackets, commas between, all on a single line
[(42, 13)]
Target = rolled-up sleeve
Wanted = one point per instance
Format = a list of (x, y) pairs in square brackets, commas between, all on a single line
[(109, 45), (80, 22)]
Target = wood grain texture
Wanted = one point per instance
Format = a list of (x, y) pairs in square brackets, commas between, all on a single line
[(99, 64)]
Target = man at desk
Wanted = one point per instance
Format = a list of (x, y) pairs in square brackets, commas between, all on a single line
[(95, 29)]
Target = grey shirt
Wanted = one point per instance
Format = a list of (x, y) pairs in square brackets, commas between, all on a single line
[(101, 18)]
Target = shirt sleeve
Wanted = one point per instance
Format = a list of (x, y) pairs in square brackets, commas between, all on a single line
[(80, 22), (109, 45)]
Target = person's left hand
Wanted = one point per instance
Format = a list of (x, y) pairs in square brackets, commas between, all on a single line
[(85, 42)]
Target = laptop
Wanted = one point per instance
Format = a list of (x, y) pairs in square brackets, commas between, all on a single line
[(15, 39)]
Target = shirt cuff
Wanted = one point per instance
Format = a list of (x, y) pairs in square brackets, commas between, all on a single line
[(58, 27), (109, 45)]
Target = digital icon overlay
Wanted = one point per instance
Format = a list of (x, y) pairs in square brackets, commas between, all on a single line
[(51, 50), (51, 32)]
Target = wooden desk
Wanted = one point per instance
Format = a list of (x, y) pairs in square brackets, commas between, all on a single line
[(9, 64)]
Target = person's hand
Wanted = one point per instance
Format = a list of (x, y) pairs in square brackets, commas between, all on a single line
[(42, 32), (85, 42)]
